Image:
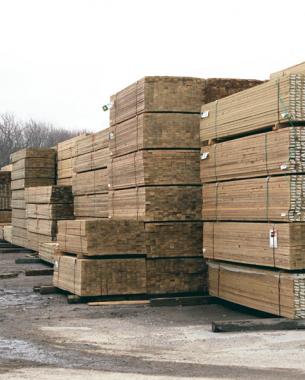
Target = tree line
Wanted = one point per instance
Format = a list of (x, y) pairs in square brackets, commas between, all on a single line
[(16, 135)]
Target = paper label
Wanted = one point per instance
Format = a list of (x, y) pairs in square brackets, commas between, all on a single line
[(273, 238), (111, 136), (204, 155), (205, 114), (284, 167)]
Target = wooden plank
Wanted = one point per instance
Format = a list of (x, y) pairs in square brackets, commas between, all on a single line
[(28, 260), (170, 94), (265, 324), (158, 203), (95, 277), (182, 301), (277, 199), (273, 102), (39, 272), (4, 276), (176, 275), (155, 167), (279, 245), (264, 154), (120, 303), (272, 291)]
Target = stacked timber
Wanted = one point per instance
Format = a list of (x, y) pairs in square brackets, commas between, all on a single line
[(30, 168), (275, 292), (5, 197), (252, 170), (48, 252), (46, 205), (65, 158), (7, 233), (144, 173), (90, 176)]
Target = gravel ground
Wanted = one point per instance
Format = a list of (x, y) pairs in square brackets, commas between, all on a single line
[(43, 337)]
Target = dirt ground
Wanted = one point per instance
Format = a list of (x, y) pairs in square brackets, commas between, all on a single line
[(43, 337)]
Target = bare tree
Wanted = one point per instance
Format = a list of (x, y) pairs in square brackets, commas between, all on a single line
[(15, 135)]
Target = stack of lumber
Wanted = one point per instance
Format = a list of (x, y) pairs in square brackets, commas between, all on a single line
[(5, 197), (48, 251), (46, 205), (275, 292), (7, 233), (149, 161), (30, 168), (252, 170), (278, 101), (65, 159), (90, 176)]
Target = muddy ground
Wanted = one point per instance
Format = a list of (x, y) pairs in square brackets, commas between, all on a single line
[(43, 337)]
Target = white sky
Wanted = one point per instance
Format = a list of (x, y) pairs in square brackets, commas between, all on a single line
[(60, 60)]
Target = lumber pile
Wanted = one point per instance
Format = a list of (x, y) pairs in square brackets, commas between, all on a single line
[(30, 168), (48, 252), (252, 170), (149, 162), (275, 292), (90, 176), (65, 158), (7, 233), (5, 197), (44, 207), (274, 102)]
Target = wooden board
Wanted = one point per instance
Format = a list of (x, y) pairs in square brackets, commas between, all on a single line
[(7, 233), (155, 167), (92, 143), (115, 237), (96, 277), (49, 211), (21, 184), (296, 69), (278, 199), (92, 182), (48, 251), (43, 153), (91, 161), (42, 226), (271, 291), (5, 216), (34, 240), (276, 152), (49, 194), (91, 205), (170, 94), (155, 131), (270, 103), (158, 203), (171, 239), (101, 237), (5, 190), (176, 275), (66, 149), (278, 245)]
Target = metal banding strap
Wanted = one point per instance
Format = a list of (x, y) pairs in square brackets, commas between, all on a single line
[(215, 161), (218, 280), (279, 293), (273, 245), (267, 198), (216, 201), (266, 152), (215, 126)]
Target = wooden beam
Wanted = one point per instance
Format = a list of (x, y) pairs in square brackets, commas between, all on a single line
[(39, 272), (265, 324)]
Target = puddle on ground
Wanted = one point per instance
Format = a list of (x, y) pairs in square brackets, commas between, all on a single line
[(19, 297)]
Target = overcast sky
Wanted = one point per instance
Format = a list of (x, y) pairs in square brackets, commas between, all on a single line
[(60, 60)]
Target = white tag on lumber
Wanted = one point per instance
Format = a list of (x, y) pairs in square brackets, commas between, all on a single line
[(204, 114), (273, 238), (204, 155)]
